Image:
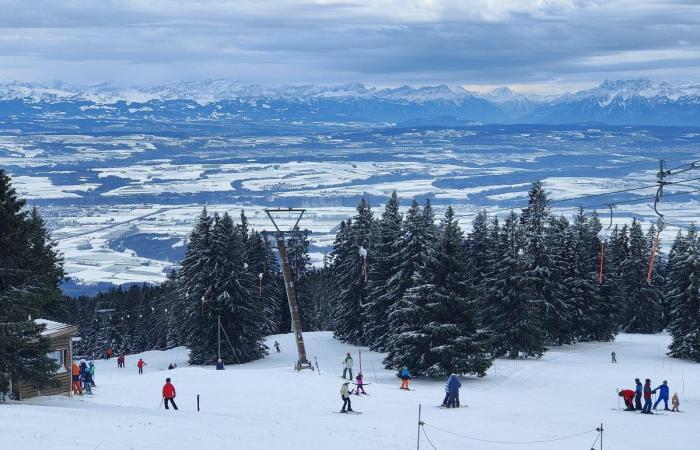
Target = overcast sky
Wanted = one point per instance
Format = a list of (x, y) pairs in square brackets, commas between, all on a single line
[(530, 44)]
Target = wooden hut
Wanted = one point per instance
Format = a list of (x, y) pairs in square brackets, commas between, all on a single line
[(60, 337)]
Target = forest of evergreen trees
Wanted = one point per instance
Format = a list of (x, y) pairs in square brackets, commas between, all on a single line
[(433, 298)]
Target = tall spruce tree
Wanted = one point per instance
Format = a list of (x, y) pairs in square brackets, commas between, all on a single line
[(437, 329), (510, 314), (385, 257), (349, 270), (30, 273), (684, 296)]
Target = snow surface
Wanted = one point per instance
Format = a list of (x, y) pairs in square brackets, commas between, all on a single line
[(267, 405)]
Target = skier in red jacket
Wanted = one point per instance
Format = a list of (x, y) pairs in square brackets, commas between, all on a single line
[(169, 394), (140, 365), (628, 396)]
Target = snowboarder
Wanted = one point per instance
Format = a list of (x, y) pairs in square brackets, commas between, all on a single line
[(347, 366), (647, 397), (219, 364), (613, 356), (360, 384), (277, 346), (120, 361), (453, 384), (140, 365), (675, 402), (75, 372), (405, 375), (345, 395), (663, 395), (91, 369), (627, 395), (169, 394), (637, 394)]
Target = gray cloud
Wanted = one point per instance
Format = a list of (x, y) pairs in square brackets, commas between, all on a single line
[(376, 42)]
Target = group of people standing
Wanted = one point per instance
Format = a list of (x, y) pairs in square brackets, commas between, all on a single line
[(633, 398), (82, 377)]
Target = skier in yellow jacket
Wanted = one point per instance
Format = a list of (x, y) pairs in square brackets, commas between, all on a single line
[(345, 395)]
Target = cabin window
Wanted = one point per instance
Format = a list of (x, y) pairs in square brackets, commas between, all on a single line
[(59, 357)]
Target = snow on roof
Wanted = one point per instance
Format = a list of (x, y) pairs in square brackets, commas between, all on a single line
[(52, 327)]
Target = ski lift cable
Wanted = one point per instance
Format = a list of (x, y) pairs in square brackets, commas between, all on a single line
[(542, 441)]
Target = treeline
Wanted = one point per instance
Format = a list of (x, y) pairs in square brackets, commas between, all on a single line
[(415, 286)]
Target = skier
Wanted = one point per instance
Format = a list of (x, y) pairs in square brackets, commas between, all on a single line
[(75, 372), (170, 366), (83, 368), (277, 346), (647, 397), (91, 369), (627, 395), (405, 375), (675, 402), (140, 365), (447, 391), (663, 395), (347, 366), (613, 356), (360, 385), (169, 394), (345, 395), (637, 394), (454, 385), (219, 364), (108, 352), (120, 361), (87, 381)]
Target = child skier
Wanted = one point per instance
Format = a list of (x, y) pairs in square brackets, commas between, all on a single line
[(405, 375), (347, 365), (219, 364), (140, 365), (87, 381), (627, 395), (120, 361), (169, 394), (360, 384), (345, 395), (675, 402), (277, 346), (91, 369), (75, 372), (663, 395), (647, 397), (613, 355)]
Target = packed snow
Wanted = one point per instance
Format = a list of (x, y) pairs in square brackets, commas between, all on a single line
[(267, 404)]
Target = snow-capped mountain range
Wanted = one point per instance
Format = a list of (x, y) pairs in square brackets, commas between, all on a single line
[(640, 101)]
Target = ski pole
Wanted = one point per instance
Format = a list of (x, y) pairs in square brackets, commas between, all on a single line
[(161, 403), (618, 398), (375, 373)]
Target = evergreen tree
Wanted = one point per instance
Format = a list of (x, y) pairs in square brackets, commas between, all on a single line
[(30, 273), (684, 296), (385, 257), (438, 331), (349, 316), (511, 316)]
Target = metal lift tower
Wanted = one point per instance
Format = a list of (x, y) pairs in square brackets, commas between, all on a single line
[(303, 362)]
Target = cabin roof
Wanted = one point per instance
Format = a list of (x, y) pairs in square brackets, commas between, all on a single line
[(55, 328)]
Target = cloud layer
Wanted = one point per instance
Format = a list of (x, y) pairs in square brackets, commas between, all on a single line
[(382, 42)]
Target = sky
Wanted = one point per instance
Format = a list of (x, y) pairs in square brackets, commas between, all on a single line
[(536, 45)]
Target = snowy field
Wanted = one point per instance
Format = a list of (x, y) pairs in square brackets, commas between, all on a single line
[(267, 405)]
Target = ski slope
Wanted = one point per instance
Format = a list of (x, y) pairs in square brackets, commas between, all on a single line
[(267, 405)]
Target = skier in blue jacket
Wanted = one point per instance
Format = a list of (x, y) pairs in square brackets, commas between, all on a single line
[(663, 395), (454, 385), (405, 375), (637, 394)]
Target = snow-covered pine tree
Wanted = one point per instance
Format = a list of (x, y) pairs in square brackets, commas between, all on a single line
[(477, 247), (684, 296), (270, 287), (385, 256), (564, 311), (643, 302), (348, 269), (30, 273), (535, 280), (437, 328), (511, 316)]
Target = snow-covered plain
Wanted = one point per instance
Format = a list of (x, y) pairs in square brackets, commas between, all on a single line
[(267, 405)]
